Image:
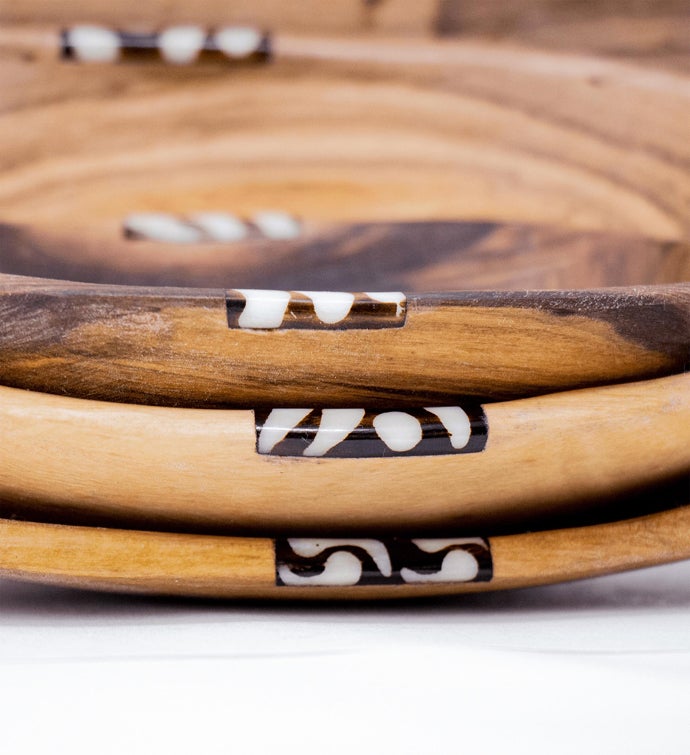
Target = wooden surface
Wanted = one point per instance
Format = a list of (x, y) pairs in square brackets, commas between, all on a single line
[(346, 131), (342, 131), (535, 113), (396, 256), (230, 567), (655, 30), (174, 346), (158, 467), (338, 16), (349, 130)]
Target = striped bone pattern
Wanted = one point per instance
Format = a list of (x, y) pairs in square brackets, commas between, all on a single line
[(358, 433), (210, 227), (178, 45), (324, 562), (256, 309)]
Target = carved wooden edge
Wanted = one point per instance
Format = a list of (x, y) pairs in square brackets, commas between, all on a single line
[(180, 346), (512, 462), (333, 568), (396, 17)]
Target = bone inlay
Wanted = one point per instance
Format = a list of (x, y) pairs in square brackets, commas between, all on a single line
[(91, 44), (238, 41), (181, 44), (264, 310), (334, 427), (314, 310), (177, 45), (330, 307), (389, 297), (220, 226), (279, 226), (207, 227), (457, 423), (400, 431), (358, 433), (277, 425), (303, 562)]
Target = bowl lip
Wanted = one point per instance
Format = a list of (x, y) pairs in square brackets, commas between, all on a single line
[(28, 245), (252, 563), (9, 282)]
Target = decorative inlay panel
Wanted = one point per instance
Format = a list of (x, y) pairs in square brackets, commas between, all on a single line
[(361, 433), (330, 562), (210, 227), (256, 309), (177, 45)]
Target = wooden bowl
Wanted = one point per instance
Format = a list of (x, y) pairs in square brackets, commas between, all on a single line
[(381, 147), (413, 165)]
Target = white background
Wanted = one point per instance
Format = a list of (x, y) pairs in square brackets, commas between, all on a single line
[(601, 666)]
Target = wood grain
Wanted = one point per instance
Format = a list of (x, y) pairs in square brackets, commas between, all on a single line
[(349, 130), (340, 132), (230, 567), (649, 30), (174, 346), (345, 130), (158, 467), (407, 256), (339, 16)]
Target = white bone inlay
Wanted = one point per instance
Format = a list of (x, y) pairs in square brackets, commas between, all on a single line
[(220, 226), (389, 297), (181, 44), (456, 421), (159, 226), (94, 44), (342, 569), (279, 226), (400, 431), (335, 426), (277, 425), (436, 544), (308, 548), (238, 41), (330, 306), (458, 566), (263, 309)]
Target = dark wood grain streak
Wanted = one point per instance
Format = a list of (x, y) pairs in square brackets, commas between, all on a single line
[(173, 346), (421, 256), (657, 319)]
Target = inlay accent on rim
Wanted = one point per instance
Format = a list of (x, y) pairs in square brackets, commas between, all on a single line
[(210, 227), (330, 562), (256, 309), (177, 45), (359, 433)]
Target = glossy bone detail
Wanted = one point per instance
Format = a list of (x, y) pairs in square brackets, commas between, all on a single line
[(359, 433), (256, 309), (176, 45), (324, 562)]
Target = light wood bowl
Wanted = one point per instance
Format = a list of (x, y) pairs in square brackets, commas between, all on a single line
[(456, 159)]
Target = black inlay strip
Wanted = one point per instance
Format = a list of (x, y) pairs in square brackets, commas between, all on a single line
[(300, 313), (364, 440), (407, 560)]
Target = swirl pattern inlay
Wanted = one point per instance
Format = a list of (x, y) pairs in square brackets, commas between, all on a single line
[(330, 562)]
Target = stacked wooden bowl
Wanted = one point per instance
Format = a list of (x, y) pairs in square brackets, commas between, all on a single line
[(219, 376)]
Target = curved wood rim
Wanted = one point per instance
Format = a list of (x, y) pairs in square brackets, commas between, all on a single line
[(179, 347), (155, 465), (174, 347), (229, 567)]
